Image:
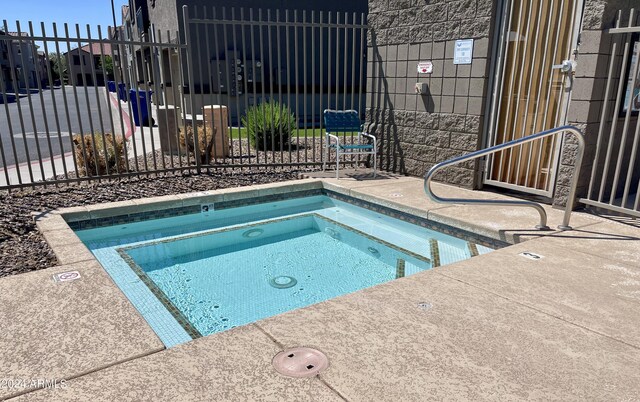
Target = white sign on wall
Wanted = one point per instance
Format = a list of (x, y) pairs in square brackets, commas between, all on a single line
[(463, 52), (425, 67)]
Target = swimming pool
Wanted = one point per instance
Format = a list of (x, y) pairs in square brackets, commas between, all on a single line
[(233, 263)]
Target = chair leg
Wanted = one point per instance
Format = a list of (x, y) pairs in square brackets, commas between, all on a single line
[(326, 154), (374, 163)]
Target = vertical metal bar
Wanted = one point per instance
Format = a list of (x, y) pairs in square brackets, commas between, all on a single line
[(313, 87), (105, 74), (494, 117), (548, 100), (353, 75), (353, 62), (95, 87), (187, 38), (614, 123), (209, 61), (145, 84), (175, 98), (125, 150), (134, 78), (36, 62), (537, 102), (344, 72), (219, 76), (605, 110), (6, 109), (230, 81), (246, 71), (264, 116), (86, 96), (236, 82), (625, 127), (33, 119), (279, 82), (362, 58), (329, 65), (321, 88), (64, 98), (183, 101), (164, 84), (508, 119), (269, 44), (254, 67), (155, 76), (288, 55), (518, 96), (526, 107), (54, 103), (203, 101), (305, 80)]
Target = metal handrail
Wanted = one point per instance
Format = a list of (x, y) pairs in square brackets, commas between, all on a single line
[(521, 203)]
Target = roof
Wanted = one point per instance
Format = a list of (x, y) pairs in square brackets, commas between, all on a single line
[(96, 48)]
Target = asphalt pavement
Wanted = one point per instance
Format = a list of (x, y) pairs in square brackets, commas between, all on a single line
[(27, 138)]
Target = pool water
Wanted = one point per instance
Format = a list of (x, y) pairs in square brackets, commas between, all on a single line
[(203, 273)]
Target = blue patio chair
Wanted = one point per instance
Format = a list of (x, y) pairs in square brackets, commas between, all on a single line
[(341, 121)]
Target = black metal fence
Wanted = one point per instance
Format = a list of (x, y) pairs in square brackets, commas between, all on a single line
[(228, 88)]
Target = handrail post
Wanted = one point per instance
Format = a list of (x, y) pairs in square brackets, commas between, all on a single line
[(520, 203)]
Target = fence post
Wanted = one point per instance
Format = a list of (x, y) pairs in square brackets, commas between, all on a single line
[(194, 117)]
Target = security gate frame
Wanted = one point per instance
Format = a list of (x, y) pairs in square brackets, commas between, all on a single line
[(563, 66)]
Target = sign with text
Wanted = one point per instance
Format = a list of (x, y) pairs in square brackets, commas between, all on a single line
[(425, 67), (463, 52)]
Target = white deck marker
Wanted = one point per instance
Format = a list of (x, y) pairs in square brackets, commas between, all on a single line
[(531, 256), (66, 276)]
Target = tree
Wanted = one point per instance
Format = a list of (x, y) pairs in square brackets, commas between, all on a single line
[(58, 64), (108, 65)]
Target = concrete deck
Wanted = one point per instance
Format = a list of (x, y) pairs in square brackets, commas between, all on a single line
[(500, 326)]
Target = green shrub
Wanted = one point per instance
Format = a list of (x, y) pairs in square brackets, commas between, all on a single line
[(270, 124), (94, 161)]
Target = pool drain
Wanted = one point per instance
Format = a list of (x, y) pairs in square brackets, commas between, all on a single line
[(283, 282), (300, 362), (252, 233)]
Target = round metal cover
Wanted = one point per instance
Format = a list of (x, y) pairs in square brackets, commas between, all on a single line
[(300, 362)]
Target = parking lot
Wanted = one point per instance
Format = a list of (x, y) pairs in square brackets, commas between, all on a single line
[(40, 127)]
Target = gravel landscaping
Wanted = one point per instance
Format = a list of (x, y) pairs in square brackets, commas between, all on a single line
[(23, 249)]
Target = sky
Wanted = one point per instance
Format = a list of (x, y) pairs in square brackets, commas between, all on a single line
[(83, 12)]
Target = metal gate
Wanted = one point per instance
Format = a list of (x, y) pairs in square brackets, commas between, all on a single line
[(534, 57), (183, 98), (615, 174)]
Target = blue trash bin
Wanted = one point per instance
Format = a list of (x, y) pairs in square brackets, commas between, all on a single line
[(111, 86), (140, 97), (122, 91)]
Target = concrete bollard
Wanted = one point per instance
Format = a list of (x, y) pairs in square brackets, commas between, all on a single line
[(218, 116), (168, 128)]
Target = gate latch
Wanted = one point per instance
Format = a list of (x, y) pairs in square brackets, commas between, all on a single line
[(566, 66)]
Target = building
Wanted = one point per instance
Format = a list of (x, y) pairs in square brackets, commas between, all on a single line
[(228, 52), (85, 67), (502, 70), (21, 55)]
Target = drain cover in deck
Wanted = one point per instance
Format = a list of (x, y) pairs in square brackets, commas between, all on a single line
[(300, 362)]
